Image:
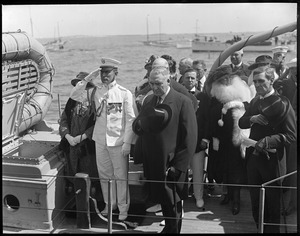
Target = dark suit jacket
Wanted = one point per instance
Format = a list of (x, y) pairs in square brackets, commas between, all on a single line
[(202, 117), (181, 89), (242, 71), (173, 146), (278, 137)]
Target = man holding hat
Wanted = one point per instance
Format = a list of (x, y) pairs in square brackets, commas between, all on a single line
[(114, 114), (272, 124), (279, 54), (167, 141)]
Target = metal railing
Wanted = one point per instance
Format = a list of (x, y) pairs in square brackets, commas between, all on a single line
[(262, 201), (82, 190)]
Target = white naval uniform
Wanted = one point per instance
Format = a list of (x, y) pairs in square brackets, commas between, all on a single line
[(113, 127)]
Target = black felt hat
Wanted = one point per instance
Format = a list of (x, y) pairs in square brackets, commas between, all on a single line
[(155, 119), (274, 108), (150, 61)]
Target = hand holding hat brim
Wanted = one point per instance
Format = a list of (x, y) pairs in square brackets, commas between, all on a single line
[(155, 119)]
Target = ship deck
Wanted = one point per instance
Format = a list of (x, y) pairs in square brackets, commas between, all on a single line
[(215, 218)]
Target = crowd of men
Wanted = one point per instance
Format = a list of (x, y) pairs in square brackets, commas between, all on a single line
[(241, 118)]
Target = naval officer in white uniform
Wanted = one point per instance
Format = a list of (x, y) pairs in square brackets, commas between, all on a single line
[(113, 105)]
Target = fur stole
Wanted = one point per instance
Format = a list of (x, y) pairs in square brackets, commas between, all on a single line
[(232, 96)]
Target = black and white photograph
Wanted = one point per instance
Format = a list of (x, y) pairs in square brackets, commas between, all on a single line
[(171, 118)]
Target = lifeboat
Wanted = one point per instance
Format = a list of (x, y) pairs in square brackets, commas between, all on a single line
[(27, 71)]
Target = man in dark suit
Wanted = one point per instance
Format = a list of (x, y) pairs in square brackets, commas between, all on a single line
[(238, 66), (166, 149), (273, 126), (198, 160)]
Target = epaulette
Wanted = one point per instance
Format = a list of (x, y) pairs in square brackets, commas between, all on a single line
[(122, 88)]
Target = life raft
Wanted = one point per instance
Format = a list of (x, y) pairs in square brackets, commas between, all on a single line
[(251, 40), (26, 69)]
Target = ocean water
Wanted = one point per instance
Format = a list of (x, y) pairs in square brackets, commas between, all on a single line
[(84, 53)]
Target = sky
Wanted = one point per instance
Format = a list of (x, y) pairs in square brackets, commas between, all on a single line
[(131, 19)]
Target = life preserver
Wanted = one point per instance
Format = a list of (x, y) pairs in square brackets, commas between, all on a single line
[(251, 40), (19, 46)]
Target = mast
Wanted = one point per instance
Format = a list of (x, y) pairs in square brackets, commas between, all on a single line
[(31, 24), (147, 30), (159, 31), (58, 34)]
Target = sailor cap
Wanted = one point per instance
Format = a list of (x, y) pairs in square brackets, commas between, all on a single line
[(109, 63), (280, 49)]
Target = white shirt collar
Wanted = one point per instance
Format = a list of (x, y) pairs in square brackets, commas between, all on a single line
[(165, 94), (203, 79), (112, 84), (193, 89), (268, 94), (238, 65)]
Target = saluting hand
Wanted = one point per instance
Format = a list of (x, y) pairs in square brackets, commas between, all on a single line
[(94, 74)]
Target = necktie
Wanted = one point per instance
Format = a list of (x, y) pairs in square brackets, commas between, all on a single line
[(158, 101), (192, 92), (200, 86)]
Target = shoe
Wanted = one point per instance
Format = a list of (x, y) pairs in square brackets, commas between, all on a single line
[(155, 208), (225, 200), (200, 203), (235, 208), (210, 187), (163, 223), (123, 216)]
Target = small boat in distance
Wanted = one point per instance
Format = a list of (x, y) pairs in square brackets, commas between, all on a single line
[(210, 43), (56, 44), (185, 43), (160, 42)]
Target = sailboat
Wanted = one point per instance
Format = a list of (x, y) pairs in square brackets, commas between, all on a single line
[(160, 42), (56, 44)]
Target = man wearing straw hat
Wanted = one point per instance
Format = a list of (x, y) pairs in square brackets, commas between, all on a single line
[(272, 124)]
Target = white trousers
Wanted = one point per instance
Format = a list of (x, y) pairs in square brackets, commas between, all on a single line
[(198, 174), (113, 165)]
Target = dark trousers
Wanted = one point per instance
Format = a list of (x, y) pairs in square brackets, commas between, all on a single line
[(172, 225), (261, 170)]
